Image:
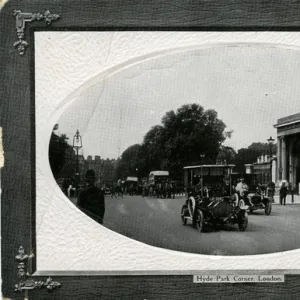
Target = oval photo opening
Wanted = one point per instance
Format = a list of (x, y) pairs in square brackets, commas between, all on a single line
[(195, 151)]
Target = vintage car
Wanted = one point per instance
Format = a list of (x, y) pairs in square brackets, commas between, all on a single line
[(211, 205), (256, 200), (255, 197)]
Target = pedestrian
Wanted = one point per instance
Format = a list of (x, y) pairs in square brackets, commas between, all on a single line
[(119, 188), (283, 193), (66, 186), (145, 189), (91, 200), (114, 191), (271, 189)]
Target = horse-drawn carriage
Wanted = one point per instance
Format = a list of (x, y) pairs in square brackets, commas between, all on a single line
[(131, 185), (161, 185), (212, 202)]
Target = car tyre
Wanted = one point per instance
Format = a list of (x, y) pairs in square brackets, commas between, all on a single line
[(199, 220), (183, 210), (243, 223), (241, 203), (268, 208)]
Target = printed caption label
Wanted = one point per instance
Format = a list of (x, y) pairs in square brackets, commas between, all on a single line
[(238, 278)]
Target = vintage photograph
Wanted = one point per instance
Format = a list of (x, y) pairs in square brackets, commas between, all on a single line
[(196, 150), (151, 149)]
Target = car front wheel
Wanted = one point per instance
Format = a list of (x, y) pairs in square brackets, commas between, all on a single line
[(268, 208), (199, 220), (241, 203), (243, 222)]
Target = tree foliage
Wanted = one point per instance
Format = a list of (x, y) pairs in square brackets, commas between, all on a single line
[(250, 154), (181, 138), (129, 163), (226, 155), (58, 147)]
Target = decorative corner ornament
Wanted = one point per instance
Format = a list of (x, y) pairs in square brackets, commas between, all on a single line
[(22, 18), (26, 283)]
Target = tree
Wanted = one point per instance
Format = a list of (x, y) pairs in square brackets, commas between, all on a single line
[(151, 150), (59, 152), (249, 155), (183, 136), (179, 140), (226, 155), (129, 164)]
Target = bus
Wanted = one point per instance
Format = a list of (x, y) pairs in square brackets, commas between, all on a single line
[(157, 175)]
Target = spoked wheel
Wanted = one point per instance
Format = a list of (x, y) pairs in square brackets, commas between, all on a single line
[(183, 219), (241, 203), (243, 222), (199, 220), (268, 208)]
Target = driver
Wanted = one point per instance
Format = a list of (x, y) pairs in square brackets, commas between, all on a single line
[(198, 188), (226, 188), (242, 189)]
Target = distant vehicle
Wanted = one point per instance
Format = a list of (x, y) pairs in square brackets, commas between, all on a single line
[(154, 175), (131, 185), (132, 179)]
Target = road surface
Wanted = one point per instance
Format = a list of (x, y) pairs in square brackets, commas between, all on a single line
[(157, 222)]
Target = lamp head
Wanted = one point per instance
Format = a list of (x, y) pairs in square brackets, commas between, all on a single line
[(270, 140)]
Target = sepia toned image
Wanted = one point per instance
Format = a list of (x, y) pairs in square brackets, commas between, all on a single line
[(151, 149), (194, 150)]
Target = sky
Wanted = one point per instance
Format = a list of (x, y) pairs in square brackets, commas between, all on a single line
[(249, 86)]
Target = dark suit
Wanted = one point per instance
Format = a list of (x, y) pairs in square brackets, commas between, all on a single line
[(283, 192), (91, 201)]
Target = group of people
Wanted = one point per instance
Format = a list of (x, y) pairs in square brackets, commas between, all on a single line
[(117, 189), (162, 189), (69, 187)]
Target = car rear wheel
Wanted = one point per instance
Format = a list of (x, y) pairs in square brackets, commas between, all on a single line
[(183, 213), (243, 222), (199, 220), (268, 208)]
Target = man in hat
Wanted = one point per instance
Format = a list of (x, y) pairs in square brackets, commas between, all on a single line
[(226, 189), (242, 189), (91, 199)]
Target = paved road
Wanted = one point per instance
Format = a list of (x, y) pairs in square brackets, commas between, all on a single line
[(157, 222)]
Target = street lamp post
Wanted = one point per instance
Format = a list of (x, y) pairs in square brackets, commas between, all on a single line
[(202, 156), (77, 144)]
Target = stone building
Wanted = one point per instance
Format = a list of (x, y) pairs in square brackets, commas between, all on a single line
[(104, 168), (264, 168), (288, 150)]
